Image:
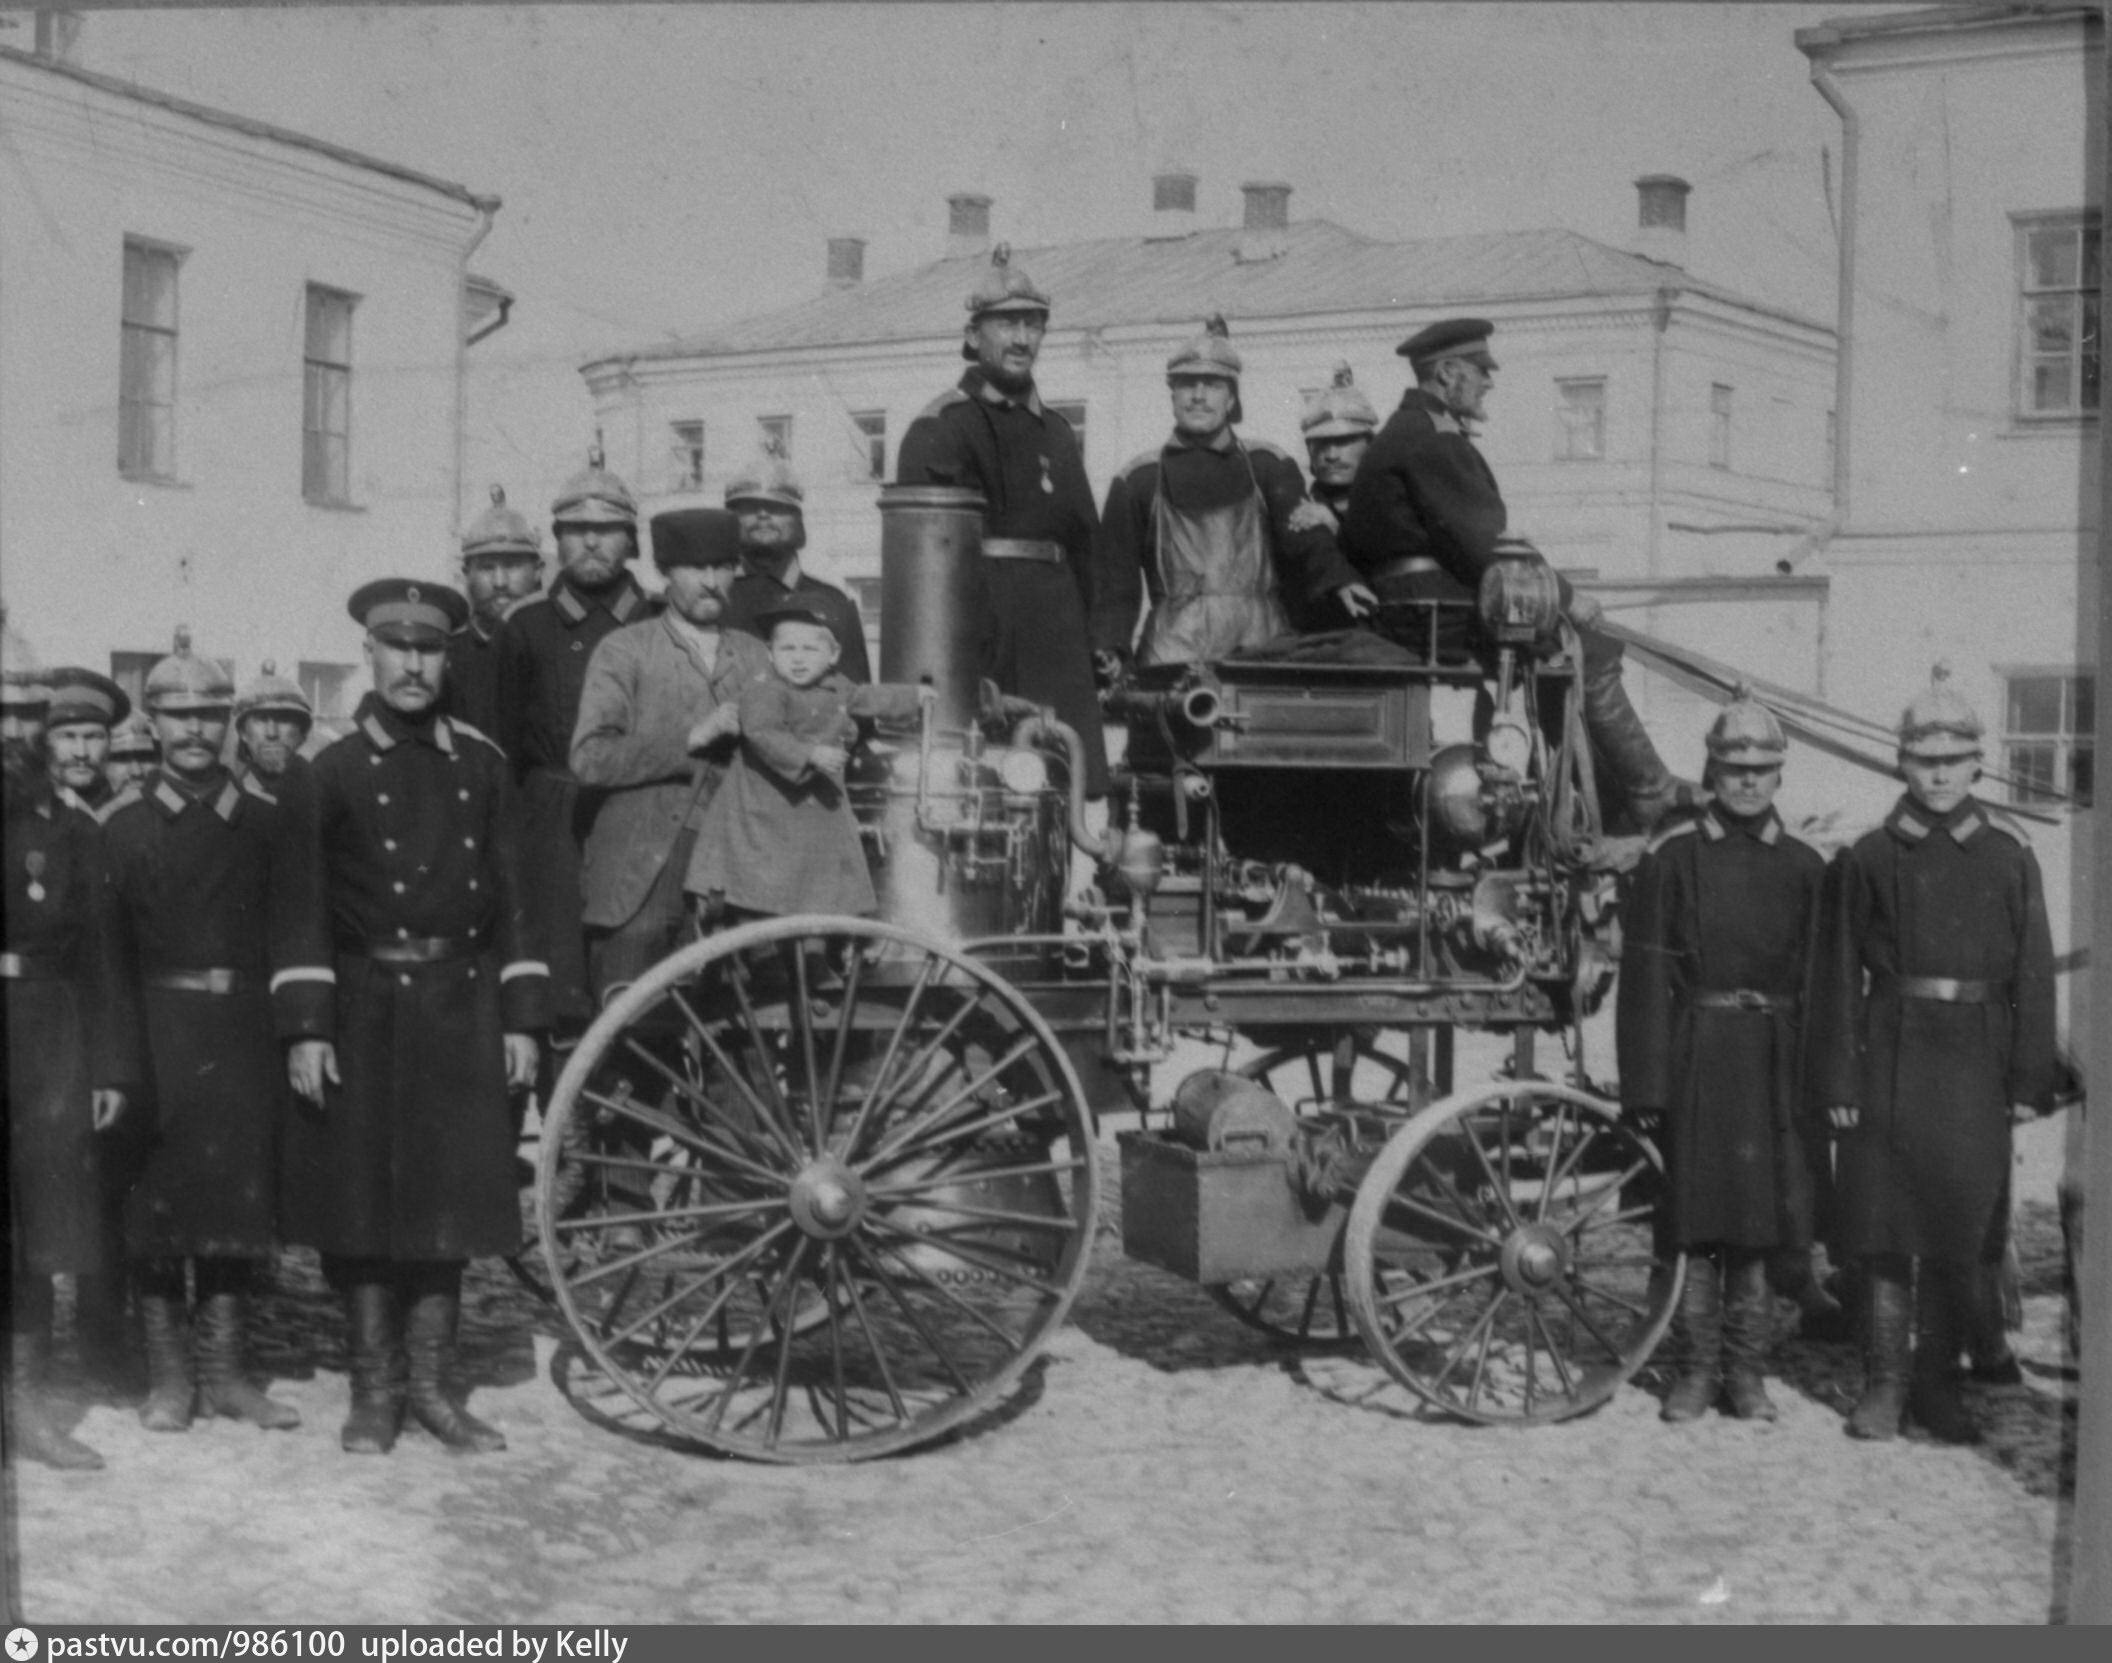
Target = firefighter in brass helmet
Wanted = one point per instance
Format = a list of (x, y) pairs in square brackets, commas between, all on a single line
[(992, 434), (1932, 1029), (502, 565), (544, 648), (1338, 426), (1717, 935), (133, 752), (209, 872), (272, 721), (766, 498)]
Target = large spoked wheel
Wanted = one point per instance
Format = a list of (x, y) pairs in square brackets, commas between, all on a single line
[(816, 1189), (1499, 1260), (1333, 1071)]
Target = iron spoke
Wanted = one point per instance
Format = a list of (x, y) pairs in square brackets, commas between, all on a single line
[(725, 1066), (1554, 1174), (1501, 1182), (1482, 1325), (844, 1026), (968, 1129), (802, 1018), (998, 1215), (1569, 1163), (714, 1210), (983, 1175), (1458, 1279), (907, 1130), (1611, 1298), (828, 1295), (1554, 1352), (720, 1269), (762, 1327), (886, 1281), (894, 1046), (737, 979), (779, 1384), (872, 1342), (1576, 1309), (1008, 1340), (1577, 1223), (693, 1137), (608, 1267), (971, 1253), (1475, 1232)]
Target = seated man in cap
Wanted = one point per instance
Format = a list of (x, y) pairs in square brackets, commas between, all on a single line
[(272, 719), (1424, 521), (1207, 526), (208, 874), (416, 990), (84, 708), (992, 434), (62, 976), (656, 722), (770, 506), (132, 755), (502, 565), (1931, 1030)]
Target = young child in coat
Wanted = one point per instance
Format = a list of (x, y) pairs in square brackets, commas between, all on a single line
[(780, 837)]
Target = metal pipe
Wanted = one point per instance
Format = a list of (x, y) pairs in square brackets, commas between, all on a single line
[(1046, 726)]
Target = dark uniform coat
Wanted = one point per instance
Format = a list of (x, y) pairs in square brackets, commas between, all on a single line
[(208, 881), (1424, 512), (1199, 482), (471, 688), (754, 593), (1926, 1171), (543, 650), (1024, 459), (412, 841), (1723, 907), (780, 836), (69, 1027), (647, 685)]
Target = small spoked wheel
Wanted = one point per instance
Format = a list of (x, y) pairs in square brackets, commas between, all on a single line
[(816, 1189), (1499, 1260), (1346, 1070)]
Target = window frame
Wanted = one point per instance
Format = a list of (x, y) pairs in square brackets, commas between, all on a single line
[(1566, 449), (1721, 405), (133, 412), (874, 438), (2087, 224), (326, 373), (2066, 741), (686, 459), (773, 436)]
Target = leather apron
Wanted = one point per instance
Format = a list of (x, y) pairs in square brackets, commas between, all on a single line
[(1218, 588)]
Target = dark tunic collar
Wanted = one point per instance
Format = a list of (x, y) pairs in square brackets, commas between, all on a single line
[(1765, 828), (385, 727), (1222, 441), (173, 795), (1911, 823), (977, 385), (619, 600)]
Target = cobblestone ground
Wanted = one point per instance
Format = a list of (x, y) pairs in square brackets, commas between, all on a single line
[(1161, 1463)]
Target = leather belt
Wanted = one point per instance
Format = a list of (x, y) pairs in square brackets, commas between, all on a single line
[(1742, 999), (1411, 565), (1024, 548), (1945, 990), (27, 967), (202, 981), (429, 949)]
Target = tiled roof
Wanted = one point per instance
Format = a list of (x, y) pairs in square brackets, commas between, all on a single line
[(1120, 281), (245, 124)]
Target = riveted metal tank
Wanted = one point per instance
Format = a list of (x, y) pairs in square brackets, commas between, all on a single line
[(931, 538)]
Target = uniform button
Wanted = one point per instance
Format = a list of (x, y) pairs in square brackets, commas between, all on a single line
[(464, 795), (388, 842), (404, 930), (579, 646), (472, 972), (472, 883), (374, 762), (382, 798), (469, 842), (399, 888), (404, 980)]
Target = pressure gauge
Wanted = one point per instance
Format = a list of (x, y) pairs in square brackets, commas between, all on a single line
[(1510, 746)]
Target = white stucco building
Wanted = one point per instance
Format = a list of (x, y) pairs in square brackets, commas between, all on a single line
[(230, 376), (1647, 425)]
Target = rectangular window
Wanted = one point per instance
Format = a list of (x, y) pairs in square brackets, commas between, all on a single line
[(1073, 411), (1719, 425), (872, 429), (2058, 354), (146, 419), (2049, 736), (774, 434), (685, 456), (329, 688), (326, 419), (1583, 411)]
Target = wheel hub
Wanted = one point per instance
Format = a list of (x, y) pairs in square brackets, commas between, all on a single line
[(828, 1199), (1535, 1258)]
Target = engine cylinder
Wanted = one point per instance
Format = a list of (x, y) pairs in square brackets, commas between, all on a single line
[(931, 593)]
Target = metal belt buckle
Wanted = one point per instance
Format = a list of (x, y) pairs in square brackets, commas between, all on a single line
[(1748, 1000)]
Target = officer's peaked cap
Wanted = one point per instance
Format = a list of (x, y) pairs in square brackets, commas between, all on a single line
[(499, 530), (406, 613), (1453, 338), (82, 696), (696, 537), (594, 496), (1940, 721)]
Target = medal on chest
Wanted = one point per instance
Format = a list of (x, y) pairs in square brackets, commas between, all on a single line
[(35, 866), (1048, 481)]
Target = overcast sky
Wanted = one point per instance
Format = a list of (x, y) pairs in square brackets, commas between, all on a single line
[(666, 167)]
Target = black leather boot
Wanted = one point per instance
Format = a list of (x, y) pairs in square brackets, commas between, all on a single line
[(1992, 1360), (224, 1386), (377, 1369), (107, 1339), (1932, 1395), (435, 1295), (1748, 1333), (171, 1390), (1888, 1326), (33, 1432), (1697, 1332), (1618, 737)]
